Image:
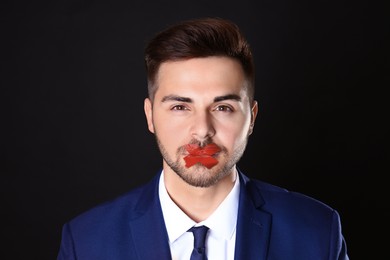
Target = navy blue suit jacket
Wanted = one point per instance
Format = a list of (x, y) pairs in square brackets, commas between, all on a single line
[(273, 223)]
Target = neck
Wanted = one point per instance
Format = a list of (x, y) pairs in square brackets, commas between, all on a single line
[(198, 203)]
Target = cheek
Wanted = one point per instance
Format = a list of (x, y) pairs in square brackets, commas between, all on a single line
[(170, 124), (170, 132), (233, 135)]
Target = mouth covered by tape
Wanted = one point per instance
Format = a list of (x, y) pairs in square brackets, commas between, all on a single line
[(202, 155)]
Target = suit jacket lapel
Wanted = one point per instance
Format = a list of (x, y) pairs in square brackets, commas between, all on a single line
[(147, 226), (253, 224), (150, 236)]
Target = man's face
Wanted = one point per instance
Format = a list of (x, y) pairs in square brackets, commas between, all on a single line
[(201, 117)]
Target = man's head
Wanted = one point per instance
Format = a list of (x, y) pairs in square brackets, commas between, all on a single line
[(198, 38), (200, 104)]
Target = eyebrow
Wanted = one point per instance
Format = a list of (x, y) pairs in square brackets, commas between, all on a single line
[(176, 98), (189, 100), (228, 97)]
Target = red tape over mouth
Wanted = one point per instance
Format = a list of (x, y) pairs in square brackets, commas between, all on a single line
[(202, 155)]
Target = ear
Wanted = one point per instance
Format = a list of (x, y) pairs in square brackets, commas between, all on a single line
[(254, 111), (149, 114)]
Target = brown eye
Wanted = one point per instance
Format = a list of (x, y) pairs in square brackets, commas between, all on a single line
[(179, 107), (224, 108)]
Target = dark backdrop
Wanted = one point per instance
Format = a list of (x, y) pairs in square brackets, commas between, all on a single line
[(73, 133)]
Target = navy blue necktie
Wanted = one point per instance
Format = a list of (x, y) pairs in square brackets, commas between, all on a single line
[(199, 252)]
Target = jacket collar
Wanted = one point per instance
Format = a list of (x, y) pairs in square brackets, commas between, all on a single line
[(253, 225), (147, 226)]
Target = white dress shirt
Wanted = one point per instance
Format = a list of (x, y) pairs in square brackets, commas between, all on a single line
[(221, 238)]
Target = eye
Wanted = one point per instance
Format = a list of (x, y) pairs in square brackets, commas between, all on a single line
[(224, 108), (179, 108)]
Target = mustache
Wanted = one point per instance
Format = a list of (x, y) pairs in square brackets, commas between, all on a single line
[(208, 150), (193, 144)]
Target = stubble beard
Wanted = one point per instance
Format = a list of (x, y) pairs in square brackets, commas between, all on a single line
[(198, 175)]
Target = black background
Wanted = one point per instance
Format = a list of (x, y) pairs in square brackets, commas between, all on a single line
[(73, 132)]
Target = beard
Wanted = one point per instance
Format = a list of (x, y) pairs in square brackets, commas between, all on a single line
[(199, 175)]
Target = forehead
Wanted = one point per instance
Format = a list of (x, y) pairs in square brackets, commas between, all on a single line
[(210, 75)]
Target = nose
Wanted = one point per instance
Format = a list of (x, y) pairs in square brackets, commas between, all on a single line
[(202, 126)]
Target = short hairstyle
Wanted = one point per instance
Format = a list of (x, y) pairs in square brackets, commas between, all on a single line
[(197, 38)]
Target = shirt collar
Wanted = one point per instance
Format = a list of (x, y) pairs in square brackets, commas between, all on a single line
[(222, 222)]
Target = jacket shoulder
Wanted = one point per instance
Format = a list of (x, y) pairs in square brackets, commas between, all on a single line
[(276, 197), (122, 208)]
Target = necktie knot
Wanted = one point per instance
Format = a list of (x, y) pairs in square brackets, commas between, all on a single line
[(199, 251)]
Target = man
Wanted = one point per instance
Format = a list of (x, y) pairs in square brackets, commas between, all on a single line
[(201, 109)]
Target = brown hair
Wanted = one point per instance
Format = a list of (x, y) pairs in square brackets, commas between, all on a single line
[(198, 38)]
